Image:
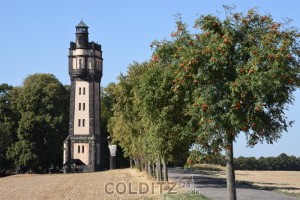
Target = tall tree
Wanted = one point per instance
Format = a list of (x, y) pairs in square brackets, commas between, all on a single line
[(148, 120), (241, 73), (43, 103), (125, 125), (163, 112), (8, 125), (106, 103)]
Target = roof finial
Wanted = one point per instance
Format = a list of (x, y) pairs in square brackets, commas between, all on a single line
[(81, 8)]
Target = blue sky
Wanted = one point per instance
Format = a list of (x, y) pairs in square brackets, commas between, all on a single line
[(35, 36)]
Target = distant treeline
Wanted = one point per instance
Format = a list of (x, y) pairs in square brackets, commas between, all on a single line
[(281, 162)]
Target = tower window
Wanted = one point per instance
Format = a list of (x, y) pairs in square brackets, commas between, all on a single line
[(79, 106), (79, 122), (82, 150), (80, 63), (84, 91), (78, 149), (80, 91), (83, 106), (83, 120), (90, 64)]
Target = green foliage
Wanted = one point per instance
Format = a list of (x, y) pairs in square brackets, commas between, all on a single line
[(125, 125), (5, 102), (186, 197), (281, 162), (106, 114), (8, 124), (197, 156), (239, 75), (148, 118), (42, 103), (163, 111), (106, 107), (228, 76)]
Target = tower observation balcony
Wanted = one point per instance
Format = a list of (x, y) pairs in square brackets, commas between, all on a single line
[(77, 72)]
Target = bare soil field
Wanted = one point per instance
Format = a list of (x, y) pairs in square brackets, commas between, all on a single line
[(121, 184)]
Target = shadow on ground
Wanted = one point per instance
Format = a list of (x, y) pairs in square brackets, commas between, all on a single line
[(203, 179)]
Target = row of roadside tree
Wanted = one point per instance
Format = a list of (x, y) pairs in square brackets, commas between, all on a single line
[(206, 86)]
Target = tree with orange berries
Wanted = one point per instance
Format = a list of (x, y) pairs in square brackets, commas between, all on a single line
[(239, 75)]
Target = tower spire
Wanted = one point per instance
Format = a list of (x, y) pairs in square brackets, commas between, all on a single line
[(82, 35)]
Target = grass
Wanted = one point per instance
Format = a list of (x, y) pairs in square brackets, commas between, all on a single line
[(207, 167), (289, 193), (186, 197)]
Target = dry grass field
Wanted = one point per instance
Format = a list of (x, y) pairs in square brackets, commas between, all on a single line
[(285, 181), (78, 186), (282, 181)]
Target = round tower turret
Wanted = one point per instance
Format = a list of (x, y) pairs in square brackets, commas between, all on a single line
[(82, 35)]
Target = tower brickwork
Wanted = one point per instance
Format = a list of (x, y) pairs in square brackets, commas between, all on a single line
[(85, 70)]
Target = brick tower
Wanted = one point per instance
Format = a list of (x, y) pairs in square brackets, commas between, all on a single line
[(84, 142)]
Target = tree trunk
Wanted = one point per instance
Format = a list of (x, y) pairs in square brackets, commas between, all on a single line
[(158, 169), (149, 169), (231, 192), (138, 164), (153, 168), (131, 162), (165, 169)]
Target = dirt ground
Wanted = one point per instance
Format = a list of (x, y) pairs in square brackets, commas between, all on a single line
[(121, 184)]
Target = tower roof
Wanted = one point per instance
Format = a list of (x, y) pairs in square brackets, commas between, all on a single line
[(81, 25)]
